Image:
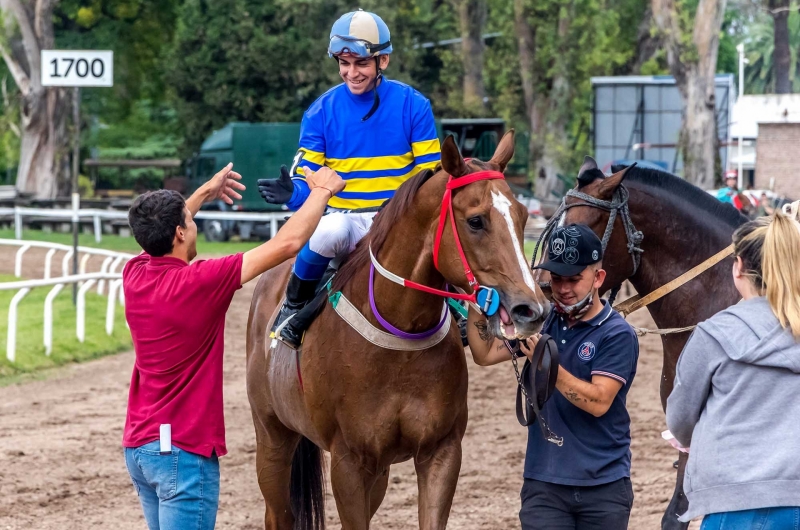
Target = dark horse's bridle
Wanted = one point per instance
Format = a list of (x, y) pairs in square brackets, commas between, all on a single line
[(618, 205)]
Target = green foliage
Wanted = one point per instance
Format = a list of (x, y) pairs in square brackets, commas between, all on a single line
[(9, 127), (184, 68), (249, 60), (759, 48), (30, 352)]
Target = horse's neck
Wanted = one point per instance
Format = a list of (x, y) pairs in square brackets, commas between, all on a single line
[(408, 253), (676, 239)]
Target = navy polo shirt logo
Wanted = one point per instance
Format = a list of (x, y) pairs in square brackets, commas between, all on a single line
[(586, 351)]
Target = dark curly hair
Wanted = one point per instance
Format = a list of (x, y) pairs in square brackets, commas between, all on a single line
[(153, 218)]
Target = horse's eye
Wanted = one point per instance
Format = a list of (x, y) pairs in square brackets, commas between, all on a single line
[(476, 223)]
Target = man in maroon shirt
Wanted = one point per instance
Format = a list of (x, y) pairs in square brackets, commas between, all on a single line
[(175, 428)]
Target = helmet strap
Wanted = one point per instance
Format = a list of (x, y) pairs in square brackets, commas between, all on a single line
[(376, 100)]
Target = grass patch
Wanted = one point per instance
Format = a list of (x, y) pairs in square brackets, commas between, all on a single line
[(30, 356), (127, 244), (529, 248)]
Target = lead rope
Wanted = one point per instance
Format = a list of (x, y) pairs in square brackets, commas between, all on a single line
[(548, 434)]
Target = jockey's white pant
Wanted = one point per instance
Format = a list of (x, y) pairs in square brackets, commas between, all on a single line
[(335, 237), (338, 233)]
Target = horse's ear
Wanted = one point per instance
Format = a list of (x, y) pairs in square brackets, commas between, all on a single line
[(504, 151), (611, 183), (589, 172), (452, 161)]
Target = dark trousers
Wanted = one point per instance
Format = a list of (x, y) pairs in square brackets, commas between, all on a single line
[(547, 506)]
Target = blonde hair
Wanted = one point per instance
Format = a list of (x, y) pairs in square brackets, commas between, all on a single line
[(770, 252)]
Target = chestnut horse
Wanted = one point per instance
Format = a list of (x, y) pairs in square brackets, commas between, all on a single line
[(682, 226), (371, 407)]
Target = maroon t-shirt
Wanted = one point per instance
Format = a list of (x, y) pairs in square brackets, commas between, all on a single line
[(176, 313)]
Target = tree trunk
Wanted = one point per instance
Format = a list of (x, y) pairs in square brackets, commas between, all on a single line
[(472, 16), (526, 46), (782, 56), (699, 135), (554, 112), (647, 43), (693, 67), (44, 143)]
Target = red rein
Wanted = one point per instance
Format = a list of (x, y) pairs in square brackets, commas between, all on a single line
[(447, 207)]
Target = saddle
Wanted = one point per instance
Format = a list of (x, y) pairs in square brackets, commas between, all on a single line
[(537, 383)]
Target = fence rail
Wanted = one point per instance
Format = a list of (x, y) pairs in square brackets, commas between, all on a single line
[(111, 262), (98, 215)]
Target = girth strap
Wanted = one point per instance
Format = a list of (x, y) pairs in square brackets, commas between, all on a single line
[(348, 312)]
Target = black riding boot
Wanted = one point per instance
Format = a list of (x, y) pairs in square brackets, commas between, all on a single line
[(298, 293)]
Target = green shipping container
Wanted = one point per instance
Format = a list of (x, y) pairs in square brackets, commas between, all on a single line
[(257, 151)]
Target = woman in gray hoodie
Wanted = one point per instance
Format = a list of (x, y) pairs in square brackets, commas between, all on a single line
[(735, 400)]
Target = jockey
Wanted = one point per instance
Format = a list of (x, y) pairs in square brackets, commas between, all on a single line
[(375, 132), (730, 190)]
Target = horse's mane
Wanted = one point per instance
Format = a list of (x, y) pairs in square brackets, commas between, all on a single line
[(384, 221), (685, 191)]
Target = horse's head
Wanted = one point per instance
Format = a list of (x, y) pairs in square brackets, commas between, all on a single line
[(490, 223), (591, 181)]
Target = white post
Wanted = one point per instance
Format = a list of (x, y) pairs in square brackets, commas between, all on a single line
[(84, 260), (17, 223), (273, 227), (114, 264), (48, 260), (98, 232), (740, 49), (48, 318), (103, 269), (18, 260), (65, 263), (80, 321), (113, 285), (11, 340)]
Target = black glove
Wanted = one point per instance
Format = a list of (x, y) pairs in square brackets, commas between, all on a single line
[(279, 190)]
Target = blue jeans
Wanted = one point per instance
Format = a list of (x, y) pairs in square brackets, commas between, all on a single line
[(178, 491), (783, 518)]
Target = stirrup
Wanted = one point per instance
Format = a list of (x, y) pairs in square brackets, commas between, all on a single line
[(277, 337)]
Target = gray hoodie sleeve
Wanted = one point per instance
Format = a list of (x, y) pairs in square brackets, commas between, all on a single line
[(698, 362)]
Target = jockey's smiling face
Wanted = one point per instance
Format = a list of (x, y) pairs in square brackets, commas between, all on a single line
[(359, 73)]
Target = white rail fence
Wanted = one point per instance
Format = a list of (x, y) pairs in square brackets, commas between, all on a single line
[(97, 216), (108, 273)]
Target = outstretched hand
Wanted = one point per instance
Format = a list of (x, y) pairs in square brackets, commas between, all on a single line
[(279, 190), (224, 184)]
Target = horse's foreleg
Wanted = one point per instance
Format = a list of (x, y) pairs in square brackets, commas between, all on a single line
[(378, 492), (679, 503), (437, 475), (352, 485)]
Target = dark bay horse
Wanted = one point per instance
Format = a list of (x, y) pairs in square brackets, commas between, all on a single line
[(369, 406), (682, 227)]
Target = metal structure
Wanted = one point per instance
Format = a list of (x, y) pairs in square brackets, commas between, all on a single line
[(639, 118)]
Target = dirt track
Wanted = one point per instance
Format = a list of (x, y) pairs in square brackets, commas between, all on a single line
[(61, 464)]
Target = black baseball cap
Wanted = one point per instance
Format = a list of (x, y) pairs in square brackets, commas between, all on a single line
[(570, 249)]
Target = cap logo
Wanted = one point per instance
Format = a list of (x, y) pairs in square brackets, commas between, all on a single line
[(558, 246), (571, 255), (573, 242), (572, 231), (595, 255)]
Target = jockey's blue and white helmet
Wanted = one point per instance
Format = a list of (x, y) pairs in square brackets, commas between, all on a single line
[(361, 33)]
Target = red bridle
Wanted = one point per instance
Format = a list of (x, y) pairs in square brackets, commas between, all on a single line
[(447, 208)]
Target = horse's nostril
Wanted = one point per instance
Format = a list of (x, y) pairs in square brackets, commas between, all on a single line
[(523, 312)]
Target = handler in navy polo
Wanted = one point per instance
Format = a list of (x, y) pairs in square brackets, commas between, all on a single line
[(584, 484)]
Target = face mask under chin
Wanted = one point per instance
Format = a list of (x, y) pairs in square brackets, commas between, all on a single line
[(575, 311)]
